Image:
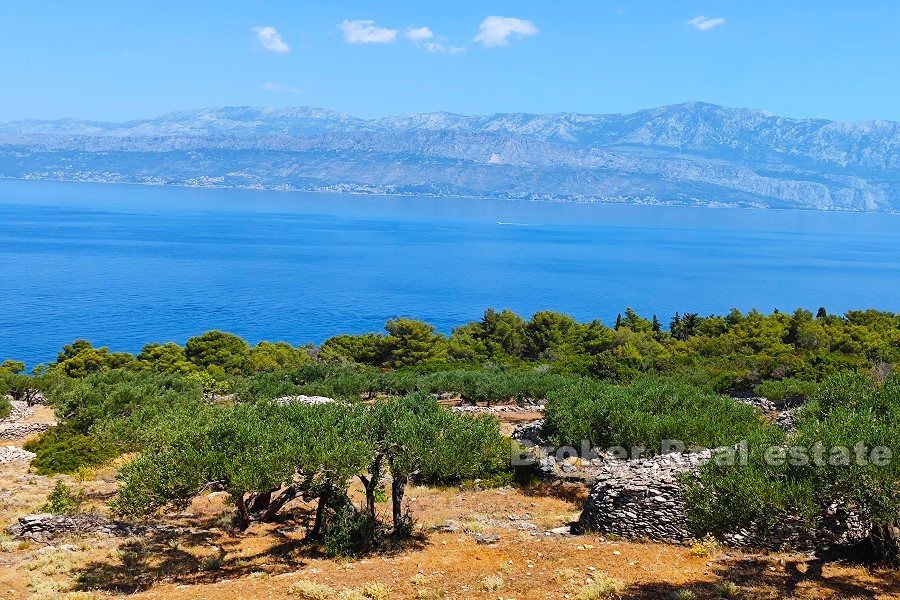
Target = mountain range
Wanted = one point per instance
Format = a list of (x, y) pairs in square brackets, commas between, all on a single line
[(687, 154)]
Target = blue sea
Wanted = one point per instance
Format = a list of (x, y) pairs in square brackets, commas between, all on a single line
[(125, 265)]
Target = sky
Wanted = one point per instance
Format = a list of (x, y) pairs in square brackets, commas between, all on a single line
[(122, 59)]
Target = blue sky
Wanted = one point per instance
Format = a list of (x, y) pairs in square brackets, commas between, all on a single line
[(115, 60)]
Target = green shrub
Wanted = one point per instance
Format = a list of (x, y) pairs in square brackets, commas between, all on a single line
[(847, 410), (125, 403), (63, 500), (350, 532), (110, 412), (792, 391), (5, 406), (65, 450), (645, 413)]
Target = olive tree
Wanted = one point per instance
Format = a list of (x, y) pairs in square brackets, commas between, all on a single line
[(414, 436), (238, 449)]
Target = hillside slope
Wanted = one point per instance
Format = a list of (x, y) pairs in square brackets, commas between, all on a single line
[(693, 153)]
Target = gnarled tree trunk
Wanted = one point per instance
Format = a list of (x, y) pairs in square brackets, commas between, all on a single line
[(398, 489), (319, 523), (370, 484)]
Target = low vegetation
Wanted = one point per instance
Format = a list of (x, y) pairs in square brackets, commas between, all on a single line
[(63, 500), (645, 413), (842, 454), (5, 407), (264, 456), (201, 416)]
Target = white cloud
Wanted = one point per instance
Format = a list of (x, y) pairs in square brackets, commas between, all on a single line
[(277, 87), (366, 32), (424, 37), (270, 39), (441, 48), (419, 34), (496, 31), (706, 23)]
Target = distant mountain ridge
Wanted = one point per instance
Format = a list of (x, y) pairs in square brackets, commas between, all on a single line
[(692, 153)]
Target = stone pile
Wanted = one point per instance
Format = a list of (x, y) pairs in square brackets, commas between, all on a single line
[(640, 498), (12, 454), (45, 526), (31, 398), (20, 410), (500, 408), (837, 527), (532, 432), (781, 417), (643, 499), (17, 431), (301, 399)]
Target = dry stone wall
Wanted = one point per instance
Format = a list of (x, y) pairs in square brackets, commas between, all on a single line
[(640, 498), (12, 426), (644, 499), (45, 526)]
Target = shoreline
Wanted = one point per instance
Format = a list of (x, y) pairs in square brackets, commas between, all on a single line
[(599, 201)]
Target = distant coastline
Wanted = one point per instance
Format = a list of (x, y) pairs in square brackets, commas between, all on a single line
[(691, 154), (649, 202)]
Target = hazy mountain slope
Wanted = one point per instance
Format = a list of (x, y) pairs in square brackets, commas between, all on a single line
[(690, 153)]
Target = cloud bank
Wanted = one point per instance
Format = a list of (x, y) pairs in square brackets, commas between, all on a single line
[(365, 31), (270, 39), (419, 34), (496, 31)]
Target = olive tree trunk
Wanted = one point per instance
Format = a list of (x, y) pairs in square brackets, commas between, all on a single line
[(398, 489)]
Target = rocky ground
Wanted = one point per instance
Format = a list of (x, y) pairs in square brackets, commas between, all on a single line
[(496, 543)]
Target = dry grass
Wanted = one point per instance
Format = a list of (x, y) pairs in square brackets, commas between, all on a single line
[(492, 583), (602, 587), (310, 590), (728, 590), (705, 548)]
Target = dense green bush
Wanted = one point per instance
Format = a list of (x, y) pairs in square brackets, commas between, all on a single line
[(107, 413), (63, 500), (5, 407), (350, 532), (849, 417), (790, 391), (122, 401), (645, 413), (64, 449)]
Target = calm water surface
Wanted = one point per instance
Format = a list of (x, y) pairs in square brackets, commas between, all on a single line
[(124, 265)]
